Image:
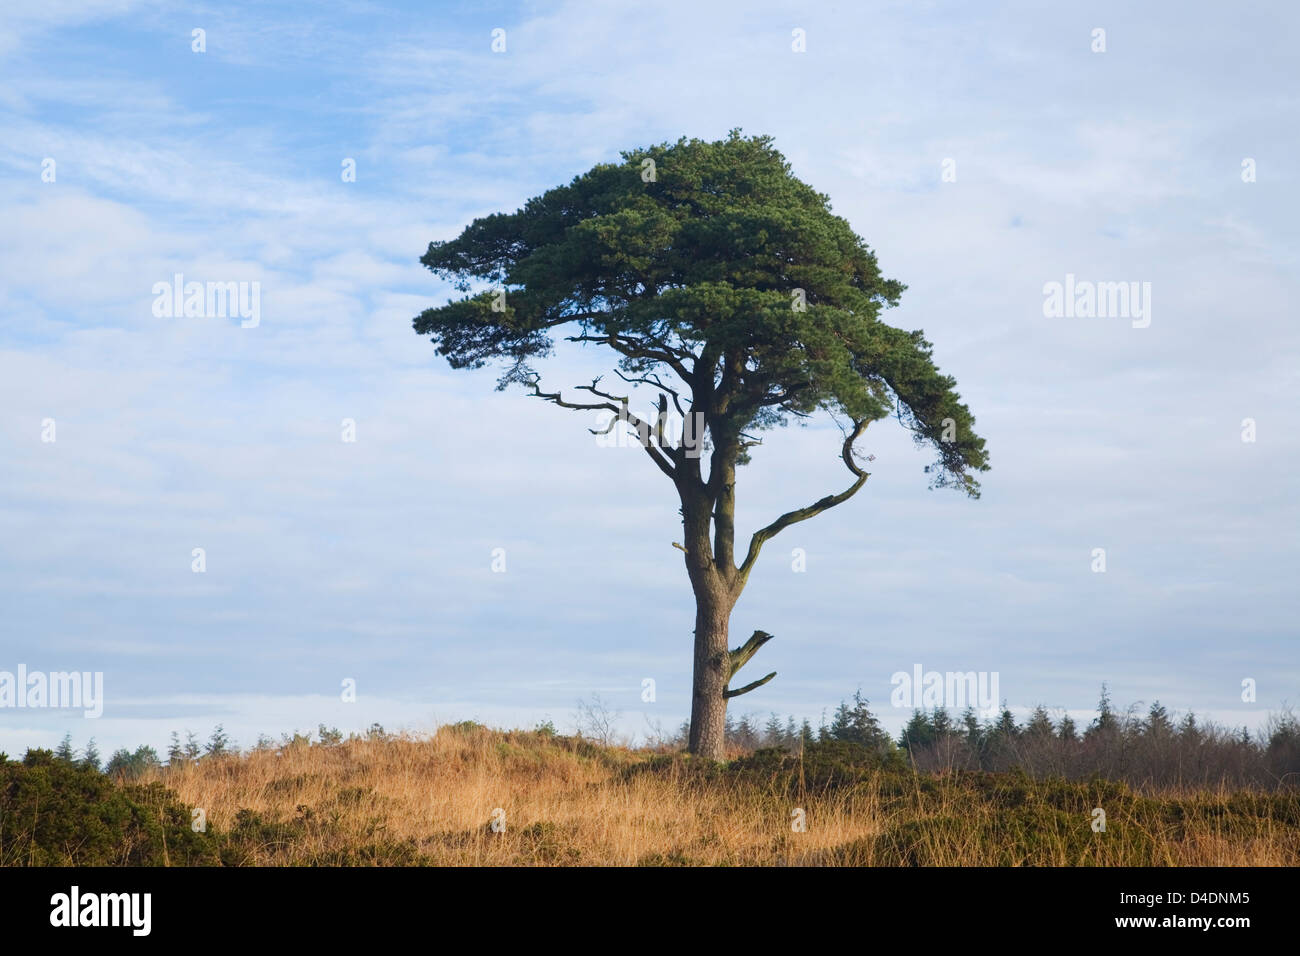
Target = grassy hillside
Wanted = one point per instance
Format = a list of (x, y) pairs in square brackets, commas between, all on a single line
[(402, 800)]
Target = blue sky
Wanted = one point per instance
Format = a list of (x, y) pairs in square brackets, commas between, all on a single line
[(371, 560)]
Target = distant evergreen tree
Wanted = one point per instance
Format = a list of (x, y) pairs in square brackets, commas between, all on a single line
[(175, 755), (192, 749), (1106, 722), (146, 757), (747, 733), (839, 728), (1006, 728), (218, 743), (857, 724), (1067, 730), (130, 766), (332, 736), (971, 723), (772, 731), (64, 751), (941, 721), (1040, 725), (1282, 750), (1158, 724), (806, 733), (1188, 730), (90, 758), (919, 732), (119, 763)]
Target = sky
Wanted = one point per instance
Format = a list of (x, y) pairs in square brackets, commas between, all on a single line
[(983, 154)]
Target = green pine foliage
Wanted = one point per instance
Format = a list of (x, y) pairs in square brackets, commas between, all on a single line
[(55, 812)]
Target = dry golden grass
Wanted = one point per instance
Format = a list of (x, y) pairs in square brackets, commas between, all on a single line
[(429, 800)]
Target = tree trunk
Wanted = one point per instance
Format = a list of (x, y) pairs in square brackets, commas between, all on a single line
[(712, 571), (708, 705)]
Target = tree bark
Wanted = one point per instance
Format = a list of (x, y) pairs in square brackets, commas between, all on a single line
[(708, 703), (714, 601)]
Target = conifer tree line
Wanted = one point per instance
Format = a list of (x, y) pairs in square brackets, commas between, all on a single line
[(1153, 747), (1140, 748)]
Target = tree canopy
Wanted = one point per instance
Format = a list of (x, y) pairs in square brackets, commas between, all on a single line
[(713, 262)]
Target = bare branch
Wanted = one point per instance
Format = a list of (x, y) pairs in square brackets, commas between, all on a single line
[(748, 687), (816, 508), (652, 379), (738, 657), (621, 410), (621, 399), (635, 349)]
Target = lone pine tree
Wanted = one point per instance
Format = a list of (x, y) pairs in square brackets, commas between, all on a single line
[(725, 284)]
